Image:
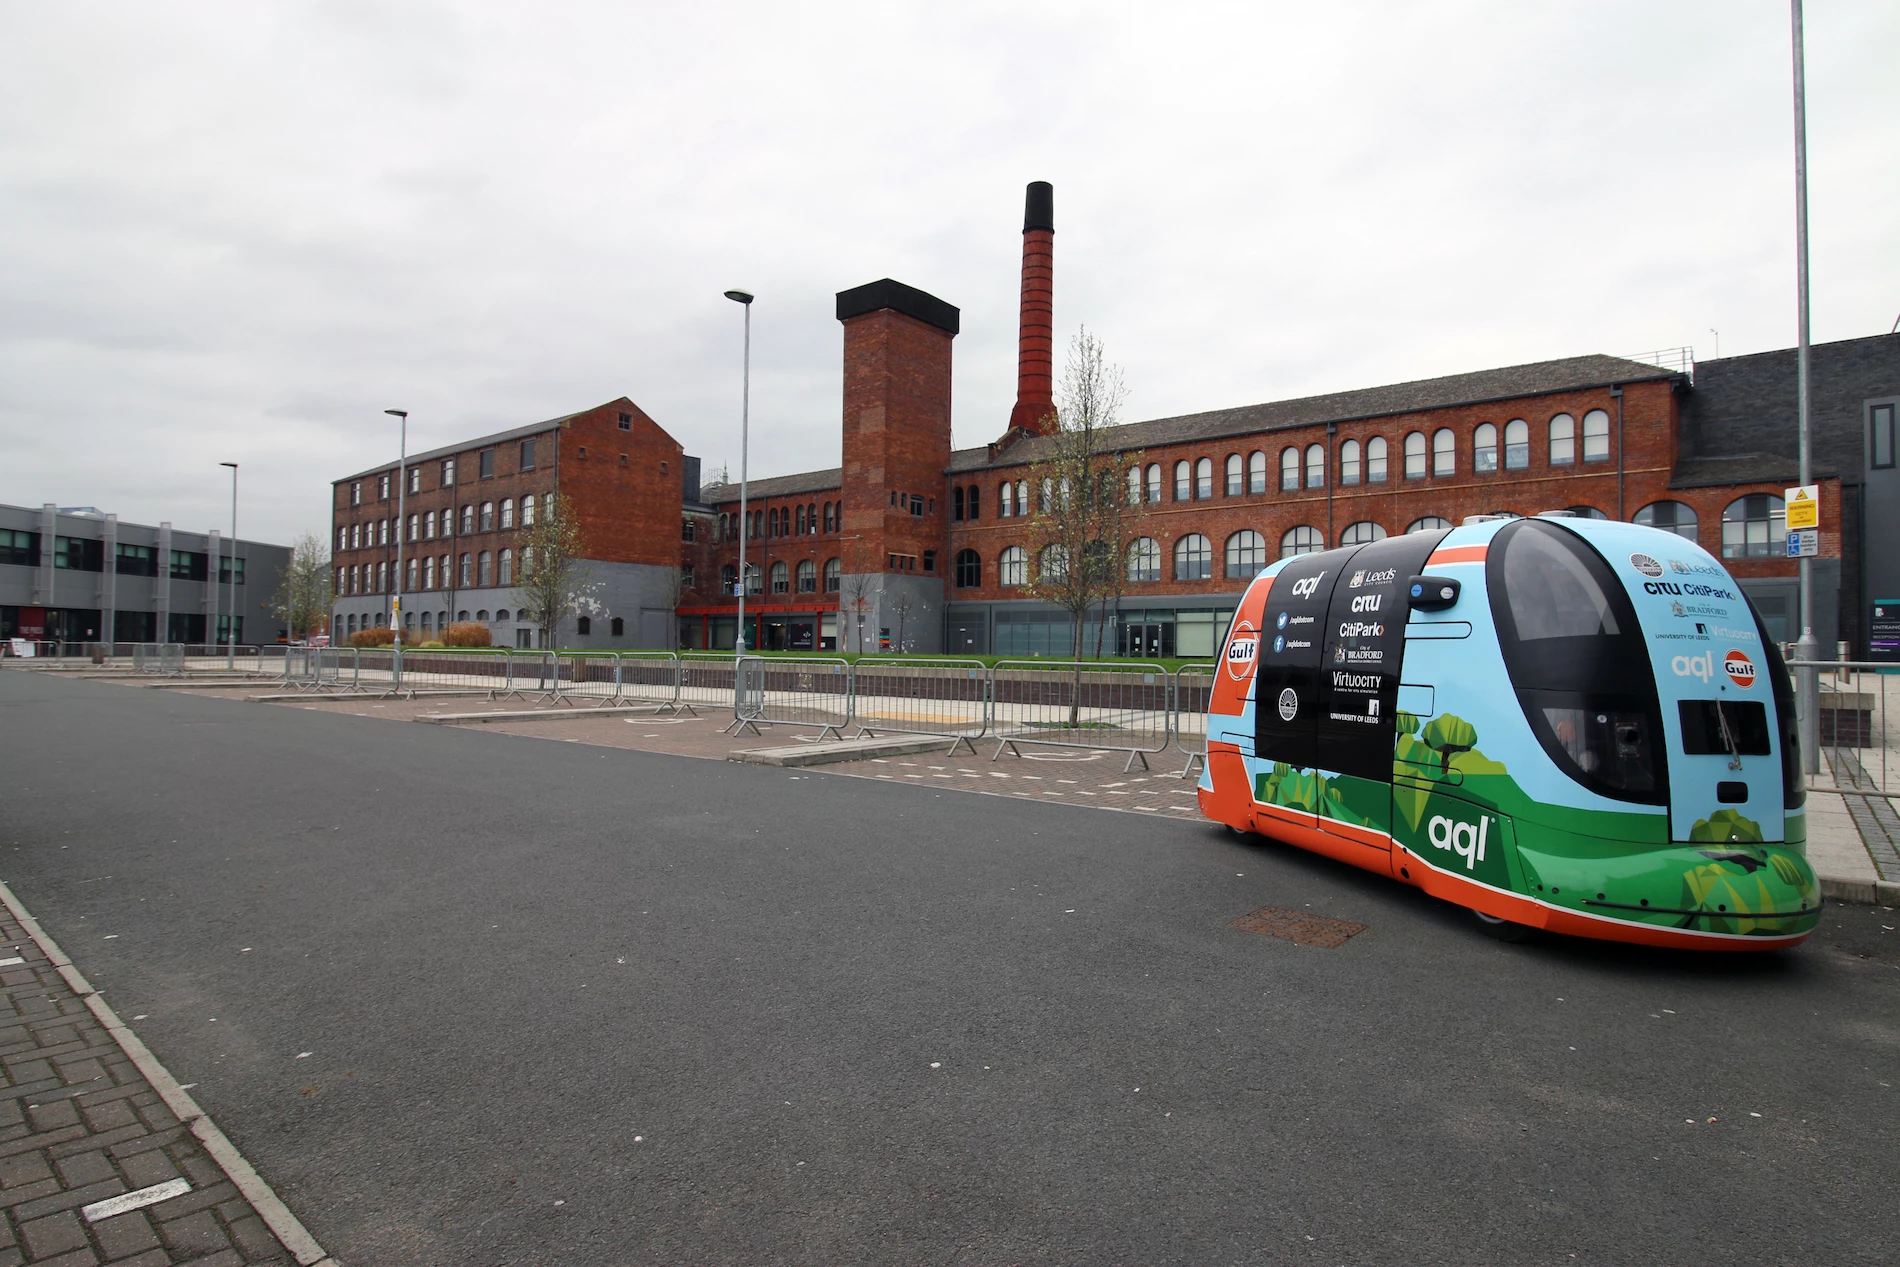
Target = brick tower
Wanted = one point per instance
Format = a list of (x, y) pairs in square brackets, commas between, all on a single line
[(896, 449)]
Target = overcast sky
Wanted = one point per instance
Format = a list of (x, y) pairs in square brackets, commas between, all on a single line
[(239, 232)]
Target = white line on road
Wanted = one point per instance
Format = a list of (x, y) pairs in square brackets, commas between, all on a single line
[(135, 1200), (8, 963)]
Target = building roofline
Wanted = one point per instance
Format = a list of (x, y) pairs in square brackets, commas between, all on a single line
[(462, 446)]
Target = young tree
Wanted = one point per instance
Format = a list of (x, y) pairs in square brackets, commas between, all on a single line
[(554, 583), (903, 603), (1084, 512), (851, 605), (303, 600)]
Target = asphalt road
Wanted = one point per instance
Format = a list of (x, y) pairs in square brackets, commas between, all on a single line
[(575, 1005)]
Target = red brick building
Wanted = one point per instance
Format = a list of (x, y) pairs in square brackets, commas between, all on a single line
[(913, 545)]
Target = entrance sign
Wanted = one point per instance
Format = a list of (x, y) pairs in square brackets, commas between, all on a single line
[(1883, 630), (1804, 507)]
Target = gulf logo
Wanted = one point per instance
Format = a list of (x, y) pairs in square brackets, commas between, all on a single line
[(1242, 650), (1740, 669)]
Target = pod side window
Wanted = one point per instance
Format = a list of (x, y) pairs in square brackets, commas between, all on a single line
[(1577, 661), (1794, 783)]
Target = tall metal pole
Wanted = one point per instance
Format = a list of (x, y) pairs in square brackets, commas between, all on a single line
[(230, 629), (1809, 647), (745, 422), (402, 526)]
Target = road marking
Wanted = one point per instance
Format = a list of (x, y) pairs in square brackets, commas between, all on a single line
[(135, 1200), (8, 963)]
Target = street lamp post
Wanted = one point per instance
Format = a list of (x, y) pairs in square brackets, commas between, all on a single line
[(230, 628), (1809, 647), (745, 421), (402, 526)]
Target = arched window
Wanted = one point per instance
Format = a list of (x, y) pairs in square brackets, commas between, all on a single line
[(1154, 483), (1005, 500), (970, 508), (1134, 486), (505, 571), (1052, 565), (584, 626), (448, 520), (428, 618), (771, 522), (1301, 540), (781, 578), (1444, 452), (1670, 517), (468, 520), (1193, 558), (481, 615), (831, 515), (1484, 447), (502, 614), (1587, 512), (351, 623), (428, 526), (1144, 560), (801, 518), (1316, 466), (1517, 445), (462, 615), (1563, 440), (1753, 525), (343, 537), (488, 516), (728, 579), (1430, 523), (619, 628), (1012, 567), (1596, 436), (1246, 555), (1349, 472), (754, 579), (1204, 479), (507, 513), (1236, 475), (1046, 502), (811, 517), (834, 576), (1289, 469), (969, 569), (482, 566), (807, 577), (1256, 472), (1361, 533), (428, 573), (1183, 481), (1022, 497), (1375, 460), (1415, 455)]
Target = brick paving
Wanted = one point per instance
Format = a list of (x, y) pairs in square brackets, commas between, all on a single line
[(79, 1124)]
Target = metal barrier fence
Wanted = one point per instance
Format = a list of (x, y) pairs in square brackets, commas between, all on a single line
[(948, 697), (1193, 691), (1118, 706), (803, 692), (1857, 743)]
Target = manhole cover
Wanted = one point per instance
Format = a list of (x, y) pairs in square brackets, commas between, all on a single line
[(1303, 927)]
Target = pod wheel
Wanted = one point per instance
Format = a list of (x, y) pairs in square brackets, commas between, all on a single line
[(1503, 929)]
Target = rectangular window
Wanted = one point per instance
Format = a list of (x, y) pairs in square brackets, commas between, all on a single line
[(1723, 727), (527, 454), (687, 580), (79, 555), (626, 422), (688, 531), (21, 549), (487, 464), (137, 561), (224, 571), (188, 565), (1881, 420), (917, 504)]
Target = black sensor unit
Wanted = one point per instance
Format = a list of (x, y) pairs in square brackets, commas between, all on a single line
[(1432, 593)]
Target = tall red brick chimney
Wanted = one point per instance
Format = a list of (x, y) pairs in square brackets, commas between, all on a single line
[(1035, 400)]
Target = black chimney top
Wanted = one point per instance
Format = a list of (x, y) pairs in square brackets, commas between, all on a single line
[(1039, 206)]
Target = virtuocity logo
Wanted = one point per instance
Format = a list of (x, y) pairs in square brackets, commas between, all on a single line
[(1463, 839), (1289, 704), (1646, 565)]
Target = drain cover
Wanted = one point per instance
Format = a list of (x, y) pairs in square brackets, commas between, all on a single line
[(1303, 927)]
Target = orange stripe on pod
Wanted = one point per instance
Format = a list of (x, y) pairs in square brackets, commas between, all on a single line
[(1457, 554)]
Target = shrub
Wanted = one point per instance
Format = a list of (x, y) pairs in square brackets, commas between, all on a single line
[(381, 636), (466, 633)]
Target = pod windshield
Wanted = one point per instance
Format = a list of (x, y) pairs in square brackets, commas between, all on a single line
[(1577, 660)]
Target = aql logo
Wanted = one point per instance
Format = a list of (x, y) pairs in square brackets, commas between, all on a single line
[(1463, 839)]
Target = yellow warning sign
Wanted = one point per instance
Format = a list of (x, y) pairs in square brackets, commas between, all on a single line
[(1804, 507)]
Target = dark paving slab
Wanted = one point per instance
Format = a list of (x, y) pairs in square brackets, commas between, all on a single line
[(576, 1004)]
